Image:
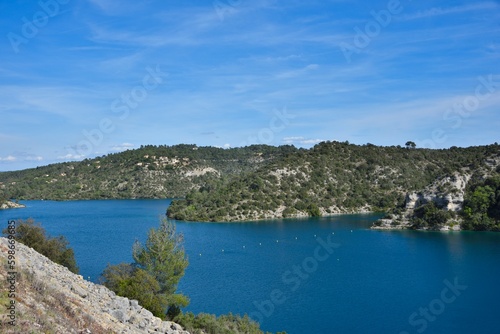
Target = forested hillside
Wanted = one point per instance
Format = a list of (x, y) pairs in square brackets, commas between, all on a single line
[(419, 188), (332, 177), (148, 172)]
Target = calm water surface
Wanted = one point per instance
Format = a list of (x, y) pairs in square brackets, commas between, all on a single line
[(282, 274)]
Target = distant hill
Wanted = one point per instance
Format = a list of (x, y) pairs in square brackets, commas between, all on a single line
[(147, 172), (335, 177), (419, 188)]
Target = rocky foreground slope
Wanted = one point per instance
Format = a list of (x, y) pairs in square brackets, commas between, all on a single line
[(51, 299)]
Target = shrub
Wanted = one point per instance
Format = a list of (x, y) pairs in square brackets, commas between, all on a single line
[(56, 249), (135, 283), (224, 324)]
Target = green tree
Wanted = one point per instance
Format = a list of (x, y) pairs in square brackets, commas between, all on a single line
[(430, 215), (3, 197), (410, 144), (152, 279), (56, 249), (482, 206), (163, 257), (481, 199), (313, 210)]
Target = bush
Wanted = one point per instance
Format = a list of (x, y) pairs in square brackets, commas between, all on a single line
[(224, 324), (313, 210), (429, 215), (56, 249), (482, 205), (135, 283)]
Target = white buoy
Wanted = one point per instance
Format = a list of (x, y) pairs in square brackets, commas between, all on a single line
[(295, 238), (276, 240), (222, 250), (200, 254), (260, 243), (243, 246), (315, 235)]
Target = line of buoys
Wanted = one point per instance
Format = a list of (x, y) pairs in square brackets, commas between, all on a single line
[(277, 241)]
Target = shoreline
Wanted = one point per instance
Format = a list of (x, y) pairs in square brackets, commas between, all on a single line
[(11, 205), (279, 218)]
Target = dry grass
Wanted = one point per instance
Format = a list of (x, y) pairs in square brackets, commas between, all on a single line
[(42, 309)]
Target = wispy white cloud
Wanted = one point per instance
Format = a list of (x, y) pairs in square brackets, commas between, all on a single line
[(301, 140), (273, 59), (115, 8), (61, 101), (122, 63), (439, 11), (8, 158), (34, 158), (297, 73), (21, 156), (70, 156), (181, 27), (122, 147)]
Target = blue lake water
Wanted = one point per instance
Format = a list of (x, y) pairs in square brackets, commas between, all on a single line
[(326, 275)]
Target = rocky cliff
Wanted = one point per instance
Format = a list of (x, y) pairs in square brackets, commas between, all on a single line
[(446, 194), (51, 299)]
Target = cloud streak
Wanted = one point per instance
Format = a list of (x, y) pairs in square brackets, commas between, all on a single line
[(439, 11)]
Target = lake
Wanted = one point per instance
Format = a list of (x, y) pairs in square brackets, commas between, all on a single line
[(321, 275)]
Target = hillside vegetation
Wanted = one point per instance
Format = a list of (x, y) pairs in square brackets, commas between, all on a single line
[(148, 172), (332, 177), (419, 188)]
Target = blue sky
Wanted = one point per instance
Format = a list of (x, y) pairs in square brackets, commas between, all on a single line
[(81, 78)]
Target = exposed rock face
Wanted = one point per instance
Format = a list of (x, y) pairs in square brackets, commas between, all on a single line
[(447, 193), (11, 205), (91, 307)]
